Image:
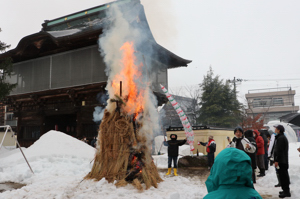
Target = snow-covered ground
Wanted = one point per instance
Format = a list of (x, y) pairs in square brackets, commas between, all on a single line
[(60, 162)]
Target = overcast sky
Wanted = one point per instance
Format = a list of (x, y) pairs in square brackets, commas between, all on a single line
[(252, 40)]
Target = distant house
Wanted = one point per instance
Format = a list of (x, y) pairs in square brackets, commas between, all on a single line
[(6, 116), (169, 115), (272, 103), (60, 73)]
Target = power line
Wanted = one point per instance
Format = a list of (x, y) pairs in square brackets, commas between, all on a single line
[(298, 79)]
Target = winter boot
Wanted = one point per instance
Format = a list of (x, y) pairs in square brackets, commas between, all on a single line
[(175, 172), (169, 171), (285, 194), (279, 184), (262, 173)]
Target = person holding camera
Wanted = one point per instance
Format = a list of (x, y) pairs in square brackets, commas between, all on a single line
[(210, 149), (240, 142)]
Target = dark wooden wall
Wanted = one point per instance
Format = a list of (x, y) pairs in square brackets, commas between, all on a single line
[(2, 108), (66, 110)]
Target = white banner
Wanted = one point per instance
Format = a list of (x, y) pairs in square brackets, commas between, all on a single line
[(184, 120)]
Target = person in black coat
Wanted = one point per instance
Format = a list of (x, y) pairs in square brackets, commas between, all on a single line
[(173, 146), (281, 160), (249, 136), (210, 149)]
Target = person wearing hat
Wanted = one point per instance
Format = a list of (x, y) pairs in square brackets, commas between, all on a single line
[(173, 148), (240, 142), (281, 160), (210, 149)]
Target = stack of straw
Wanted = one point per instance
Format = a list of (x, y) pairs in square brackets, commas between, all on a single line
[(117, 139)]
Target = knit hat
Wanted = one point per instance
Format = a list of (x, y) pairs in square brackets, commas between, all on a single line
[(238, 128)]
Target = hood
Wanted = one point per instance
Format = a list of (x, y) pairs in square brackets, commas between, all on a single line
[(173, 138), (256, 132), (249, 134), (231, 167)]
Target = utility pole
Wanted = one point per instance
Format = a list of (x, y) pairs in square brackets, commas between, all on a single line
[(234, 84)]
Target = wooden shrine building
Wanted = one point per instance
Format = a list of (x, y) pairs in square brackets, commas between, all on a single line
[(60, 73)]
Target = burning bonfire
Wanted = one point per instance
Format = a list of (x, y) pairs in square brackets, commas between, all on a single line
[(123, 154)]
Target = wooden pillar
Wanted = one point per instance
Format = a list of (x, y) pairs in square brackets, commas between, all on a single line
[(79, 124), (19, 124), (42, 129)]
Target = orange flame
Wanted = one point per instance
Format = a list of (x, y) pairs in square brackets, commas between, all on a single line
[(130, 74)]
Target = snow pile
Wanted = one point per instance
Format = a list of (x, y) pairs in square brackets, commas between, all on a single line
[(4, 151), (60, 163), (62, 33), (52, 153), (53, 144)]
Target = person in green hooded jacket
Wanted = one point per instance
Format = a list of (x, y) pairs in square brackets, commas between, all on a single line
[(231, 177)]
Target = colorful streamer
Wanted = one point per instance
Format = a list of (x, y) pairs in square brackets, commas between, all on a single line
[(184, 120)]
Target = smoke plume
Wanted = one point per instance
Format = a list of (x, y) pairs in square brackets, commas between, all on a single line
[(125, 27)]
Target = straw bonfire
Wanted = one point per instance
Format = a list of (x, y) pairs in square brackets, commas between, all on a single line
[(123, 155)]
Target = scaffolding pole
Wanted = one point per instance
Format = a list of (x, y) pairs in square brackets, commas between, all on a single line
[(9, 128)]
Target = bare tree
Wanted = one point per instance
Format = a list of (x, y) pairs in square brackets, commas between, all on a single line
[(194, 92)]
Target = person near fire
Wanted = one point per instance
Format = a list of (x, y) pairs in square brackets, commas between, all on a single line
[(173, 147), (230, 176), (260, 153), (210, 149)]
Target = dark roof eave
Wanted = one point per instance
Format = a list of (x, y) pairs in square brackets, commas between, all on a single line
[(68, 41)]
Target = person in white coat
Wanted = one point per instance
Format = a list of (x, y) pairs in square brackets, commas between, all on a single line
[(240, 142), (270, 156)]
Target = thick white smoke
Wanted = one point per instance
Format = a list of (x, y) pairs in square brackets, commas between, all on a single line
[(120, 31)]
